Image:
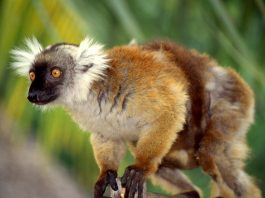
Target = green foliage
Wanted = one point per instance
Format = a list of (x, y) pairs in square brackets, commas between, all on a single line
[(231, 31)]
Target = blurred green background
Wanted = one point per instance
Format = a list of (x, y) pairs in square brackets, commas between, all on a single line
[(232, 31)]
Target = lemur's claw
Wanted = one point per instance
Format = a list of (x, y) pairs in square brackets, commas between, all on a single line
[(109, 178), (133, 182)]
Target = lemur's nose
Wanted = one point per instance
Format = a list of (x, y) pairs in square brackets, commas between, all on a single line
[(33, 97)]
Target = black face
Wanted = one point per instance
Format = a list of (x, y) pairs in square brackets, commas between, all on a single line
[(46, 80)]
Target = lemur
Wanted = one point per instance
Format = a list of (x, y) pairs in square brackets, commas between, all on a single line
[(175, 109)]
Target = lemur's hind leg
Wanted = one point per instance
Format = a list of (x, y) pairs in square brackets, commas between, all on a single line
[(223, 151), (223, 162), (175, 182)]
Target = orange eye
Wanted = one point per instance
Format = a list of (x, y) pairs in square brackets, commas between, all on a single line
[(32, 76), (56, 73)]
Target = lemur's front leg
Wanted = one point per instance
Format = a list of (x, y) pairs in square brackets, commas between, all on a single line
[(152, 146), (108, 154)]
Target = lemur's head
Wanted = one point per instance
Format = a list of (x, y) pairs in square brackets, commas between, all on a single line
[(60, 73)]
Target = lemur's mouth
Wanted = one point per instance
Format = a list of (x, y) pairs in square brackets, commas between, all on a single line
[(40, 102), (41, 99)]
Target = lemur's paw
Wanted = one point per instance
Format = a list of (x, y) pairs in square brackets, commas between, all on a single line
[(109, 178), (133, 182)]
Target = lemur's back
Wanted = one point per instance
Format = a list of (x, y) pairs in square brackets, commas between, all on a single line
[(211, 88), (209, 85)]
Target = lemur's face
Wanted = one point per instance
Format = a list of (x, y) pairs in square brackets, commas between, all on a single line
[(48, 73), (60, 73)]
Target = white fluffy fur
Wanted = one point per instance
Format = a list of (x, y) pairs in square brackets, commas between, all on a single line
[(23, 58), (91, 52), (87, 53)]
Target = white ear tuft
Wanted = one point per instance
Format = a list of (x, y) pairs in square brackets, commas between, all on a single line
[(91, 63), (23, 58), (90, 52)]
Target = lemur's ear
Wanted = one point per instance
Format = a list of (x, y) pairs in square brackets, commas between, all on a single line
[(23, 58), (91, 63), (90, 54)]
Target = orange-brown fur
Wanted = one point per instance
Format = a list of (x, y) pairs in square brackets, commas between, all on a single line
[(191, 113)]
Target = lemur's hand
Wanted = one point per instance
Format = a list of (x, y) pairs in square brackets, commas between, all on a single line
[(133, 182), (108, 178)]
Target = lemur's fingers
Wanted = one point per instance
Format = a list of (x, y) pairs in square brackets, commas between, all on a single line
[(124, 178), (133, 180), (100, 188), (140, 187), (109, 178)]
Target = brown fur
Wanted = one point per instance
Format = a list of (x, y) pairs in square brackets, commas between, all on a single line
[(190, 113)]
